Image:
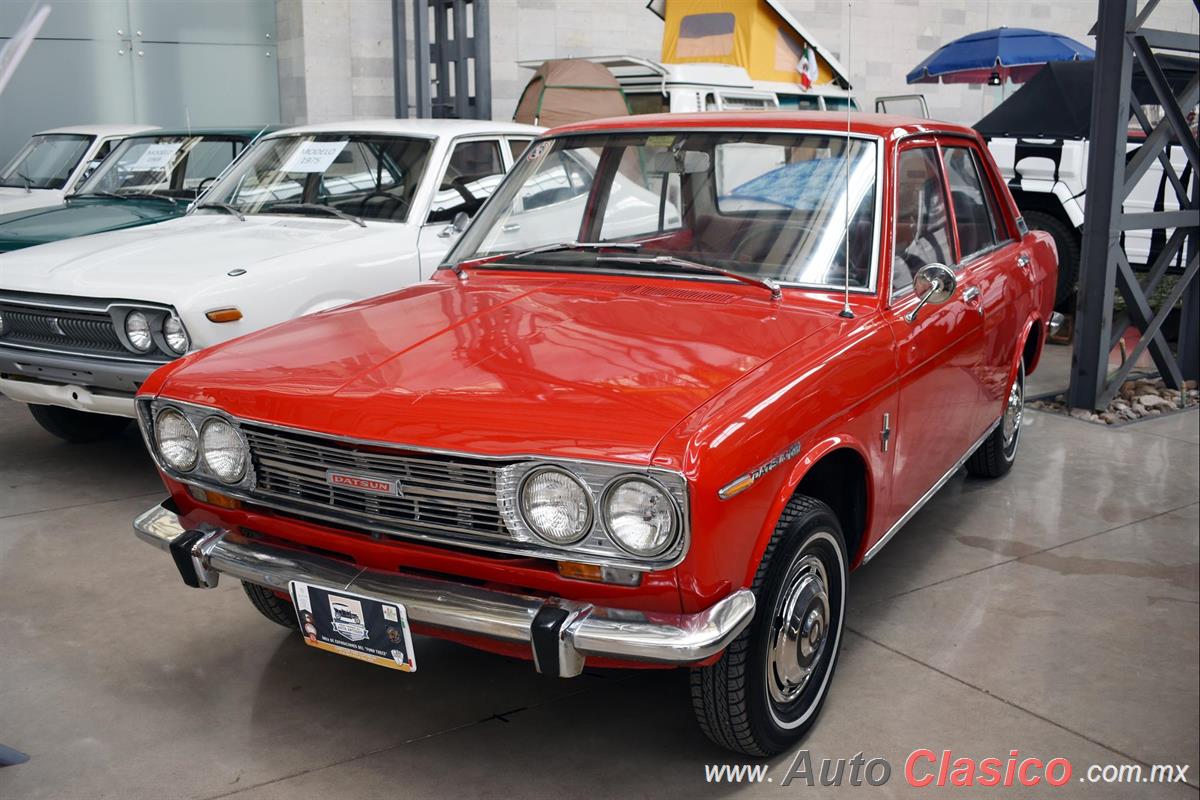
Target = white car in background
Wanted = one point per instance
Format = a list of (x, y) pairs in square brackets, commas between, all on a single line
[(54, 162), (307, 219)]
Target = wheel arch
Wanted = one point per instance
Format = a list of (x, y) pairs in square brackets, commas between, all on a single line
[(824, 473)]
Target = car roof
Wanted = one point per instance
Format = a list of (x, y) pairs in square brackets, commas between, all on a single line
[(100, 130), (425, 127), (245, 132), (887, 125)]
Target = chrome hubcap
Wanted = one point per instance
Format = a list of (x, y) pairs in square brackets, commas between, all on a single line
[(799, 630), (1012, 414)]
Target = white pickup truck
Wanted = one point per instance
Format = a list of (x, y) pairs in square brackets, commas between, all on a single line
[(1039, 139)]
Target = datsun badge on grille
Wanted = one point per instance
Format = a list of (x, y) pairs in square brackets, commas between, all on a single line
[(373, 484)]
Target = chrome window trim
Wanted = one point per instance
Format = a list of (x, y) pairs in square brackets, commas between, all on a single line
[(872, 286), (144, 406)]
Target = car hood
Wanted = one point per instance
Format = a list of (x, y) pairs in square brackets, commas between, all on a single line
[(155, 262), (17, 199), (79, 218), (503, 364)]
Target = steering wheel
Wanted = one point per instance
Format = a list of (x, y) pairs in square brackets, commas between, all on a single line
[(403, 201), (751, 247)]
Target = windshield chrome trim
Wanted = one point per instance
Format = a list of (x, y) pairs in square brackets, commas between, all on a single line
[(872, 287)]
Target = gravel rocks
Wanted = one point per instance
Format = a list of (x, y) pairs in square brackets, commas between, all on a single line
[(1139, 398)]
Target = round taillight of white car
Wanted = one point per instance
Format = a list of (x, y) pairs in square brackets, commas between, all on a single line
[(177, 441), (137, 331), (174, 335)]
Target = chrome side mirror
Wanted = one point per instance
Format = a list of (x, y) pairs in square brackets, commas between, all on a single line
[(933, 283), (457, 225)]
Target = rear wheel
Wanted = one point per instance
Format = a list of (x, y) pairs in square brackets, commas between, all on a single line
[(767, 689), (78, 427), (996, 455), (1067, 244), (271, 605)]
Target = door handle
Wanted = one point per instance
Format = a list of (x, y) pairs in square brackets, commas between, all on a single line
[(1023, 261), (971, 294), (511, 227)]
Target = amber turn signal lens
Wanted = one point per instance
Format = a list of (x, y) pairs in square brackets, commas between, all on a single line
[(599, 574), (215, 498), (224, 315)]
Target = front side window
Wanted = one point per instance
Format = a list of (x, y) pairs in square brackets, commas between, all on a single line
[(768, 205), (175, 167), (922, 234), (474, 172), (46, 161), (971, 217), (364, 175)]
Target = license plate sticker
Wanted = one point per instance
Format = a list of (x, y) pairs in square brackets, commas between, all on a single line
[(354, 625)]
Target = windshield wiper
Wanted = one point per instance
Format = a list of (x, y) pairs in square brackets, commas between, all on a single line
[(151, 196), (683, 265), (106, 195), (288, 208), (228, 209), (25, 178), (557, 247)]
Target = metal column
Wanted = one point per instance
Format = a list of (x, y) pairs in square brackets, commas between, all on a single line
[(451, 59), (1121, 34)]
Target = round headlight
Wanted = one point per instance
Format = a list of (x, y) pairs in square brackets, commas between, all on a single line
[(223, 449), (640, 516), (137, 330), (175, 335), (177, 440), (556, 506)]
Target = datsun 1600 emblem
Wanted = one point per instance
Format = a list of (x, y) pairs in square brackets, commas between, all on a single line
[(373, 484)]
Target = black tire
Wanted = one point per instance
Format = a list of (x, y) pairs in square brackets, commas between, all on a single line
[(995, 457), (78, 427), (1067, 242), (732, 699), (271, 606)]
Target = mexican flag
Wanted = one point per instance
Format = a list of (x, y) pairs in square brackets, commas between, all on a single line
[(807, 67)]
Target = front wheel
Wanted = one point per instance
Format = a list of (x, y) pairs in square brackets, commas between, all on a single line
[(996, 455), (78, 427), (767, 689)]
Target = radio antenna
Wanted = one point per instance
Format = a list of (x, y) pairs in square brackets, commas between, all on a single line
[(846, 312)]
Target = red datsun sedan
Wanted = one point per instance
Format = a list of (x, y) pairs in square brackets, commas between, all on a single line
[(680, 375)]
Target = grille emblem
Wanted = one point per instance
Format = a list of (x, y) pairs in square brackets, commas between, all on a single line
[(56, 326), (364, 483)]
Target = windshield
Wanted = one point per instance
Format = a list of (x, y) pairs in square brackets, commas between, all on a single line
[(766, 205), (46, 161), (166, 166), (364, 175)]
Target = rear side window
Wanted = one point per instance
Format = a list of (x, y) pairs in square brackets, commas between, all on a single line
[(971, 215), (999, 229), (922, 234)]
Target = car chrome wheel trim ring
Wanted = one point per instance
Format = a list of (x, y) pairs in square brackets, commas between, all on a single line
[(829, 542), (1014, 410), (799, 629)]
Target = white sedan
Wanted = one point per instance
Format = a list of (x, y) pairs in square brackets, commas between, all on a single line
[(54, 162), (307, 219)]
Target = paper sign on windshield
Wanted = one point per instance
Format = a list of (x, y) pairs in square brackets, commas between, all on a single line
[(314, 156), (156, 157)]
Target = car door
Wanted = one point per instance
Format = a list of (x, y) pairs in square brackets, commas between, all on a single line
[(940, 350), (991, 260), (471, 172)]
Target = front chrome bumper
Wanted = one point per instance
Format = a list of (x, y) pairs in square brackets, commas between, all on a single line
[(561, 633), (78, 382)]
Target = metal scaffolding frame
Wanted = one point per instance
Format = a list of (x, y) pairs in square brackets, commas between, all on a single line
[(452, 59), (1122, 34)]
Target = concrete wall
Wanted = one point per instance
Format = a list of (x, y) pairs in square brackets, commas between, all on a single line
[(335, 55)]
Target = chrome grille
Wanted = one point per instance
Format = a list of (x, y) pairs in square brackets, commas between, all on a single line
[(439, 494), (84, 331)]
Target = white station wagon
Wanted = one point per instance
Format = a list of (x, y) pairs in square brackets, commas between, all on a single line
[(54, 162), (307, 219)]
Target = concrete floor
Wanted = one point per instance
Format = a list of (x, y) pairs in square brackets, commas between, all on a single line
[(1054, 612)]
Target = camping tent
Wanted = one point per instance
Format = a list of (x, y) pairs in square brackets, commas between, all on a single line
[(568, 90), (1057, 102)]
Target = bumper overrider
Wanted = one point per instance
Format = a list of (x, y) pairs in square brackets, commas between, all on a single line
[(561, 633)]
